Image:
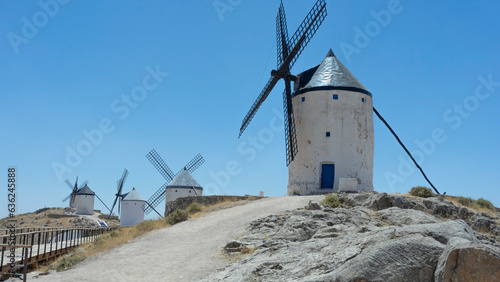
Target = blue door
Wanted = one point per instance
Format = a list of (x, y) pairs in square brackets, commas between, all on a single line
[(327, 176)]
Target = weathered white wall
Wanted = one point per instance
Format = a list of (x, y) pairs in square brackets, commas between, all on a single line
[(175, 193), (84, 204), (349, 147), (131, 213), (348, 184)]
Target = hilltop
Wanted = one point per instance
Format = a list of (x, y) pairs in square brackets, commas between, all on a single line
[(376, 236), (59, 218)]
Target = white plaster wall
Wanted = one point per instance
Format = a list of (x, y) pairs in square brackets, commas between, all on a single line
[(131, 213), (350, 146), (84, 204), (175, 193)]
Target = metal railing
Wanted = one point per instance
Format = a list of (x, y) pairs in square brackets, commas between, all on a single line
[(38, 244)]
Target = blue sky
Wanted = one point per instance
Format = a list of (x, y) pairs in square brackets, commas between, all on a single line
[(68, 69)]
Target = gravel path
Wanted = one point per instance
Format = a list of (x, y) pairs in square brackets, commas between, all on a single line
[(186, 251)]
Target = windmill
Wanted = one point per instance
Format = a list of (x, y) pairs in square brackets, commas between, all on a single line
[(84, 201), (288, 52), (74, 190), (119, 194), (333, 119), (167, 173)]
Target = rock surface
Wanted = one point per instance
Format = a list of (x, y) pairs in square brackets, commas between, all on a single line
[(371, 237)]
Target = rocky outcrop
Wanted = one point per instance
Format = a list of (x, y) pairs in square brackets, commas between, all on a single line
[(482, 222), (371, 237)]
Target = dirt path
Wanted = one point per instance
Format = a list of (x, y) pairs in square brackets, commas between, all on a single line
[(186, 251)]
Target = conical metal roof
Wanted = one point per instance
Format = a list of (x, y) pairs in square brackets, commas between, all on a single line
[(184, 180), (331, 74), (86, 191), (133, 196)]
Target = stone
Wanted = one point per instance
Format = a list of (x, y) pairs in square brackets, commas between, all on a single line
[(397, 216), (313, 205), (463, 260), (370, 237)]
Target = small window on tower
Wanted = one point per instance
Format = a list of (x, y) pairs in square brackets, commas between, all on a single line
[(328, 134), (303, 99), (335, 97), (363, 100)]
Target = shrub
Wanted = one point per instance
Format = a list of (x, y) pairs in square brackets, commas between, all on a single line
[(422, 192), (177, 216), (465, 201), (67, 262), (468, 202), (331, 200), (194, 207), (485, 204)]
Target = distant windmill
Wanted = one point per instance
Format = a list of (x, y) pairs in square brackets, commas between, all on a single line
[(75, 188), (288, 52), (84, 201), (119, 194), (167, 173)]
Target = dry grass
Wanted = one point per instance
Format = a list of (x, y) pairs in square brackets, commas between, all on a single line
[(455, 200)]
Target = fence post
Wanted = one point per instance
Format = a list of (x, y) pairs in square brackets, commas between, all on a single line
[(51, 239), (25, 268), (38, 250), (31, 243), (45, 243)]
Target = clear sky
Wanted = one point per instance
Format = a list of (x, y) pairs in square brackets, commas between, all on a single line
[(90, 87)]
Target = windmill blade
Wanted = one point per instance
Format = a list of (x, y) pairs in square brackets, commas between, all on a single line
[(256, 105), (69, 184), (113, 206), (72, 200), (152, 208), (290, 133), (156, 199), (305, 32), (65, 199), (160, 165), (123, 178), (119, 204), (120, 182), (281, 34), (119, 188), (194, 164), (102, 202)]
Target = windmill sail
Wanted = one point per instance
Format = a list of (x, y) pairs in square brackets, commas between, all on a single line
[(160, 194), (288, 53)]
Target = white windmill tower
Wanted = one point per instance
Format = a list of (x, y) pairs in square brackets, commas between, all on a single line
[(132, 208), (84, 201), (334, 125), (183, 185)]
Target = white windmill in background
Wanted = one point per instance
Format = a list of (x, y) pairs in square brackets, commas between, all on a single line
[(74, 190), (132, 210)]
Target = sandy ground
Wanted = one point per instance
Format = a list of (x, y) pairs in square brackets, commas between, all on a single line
[(187, 251)]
